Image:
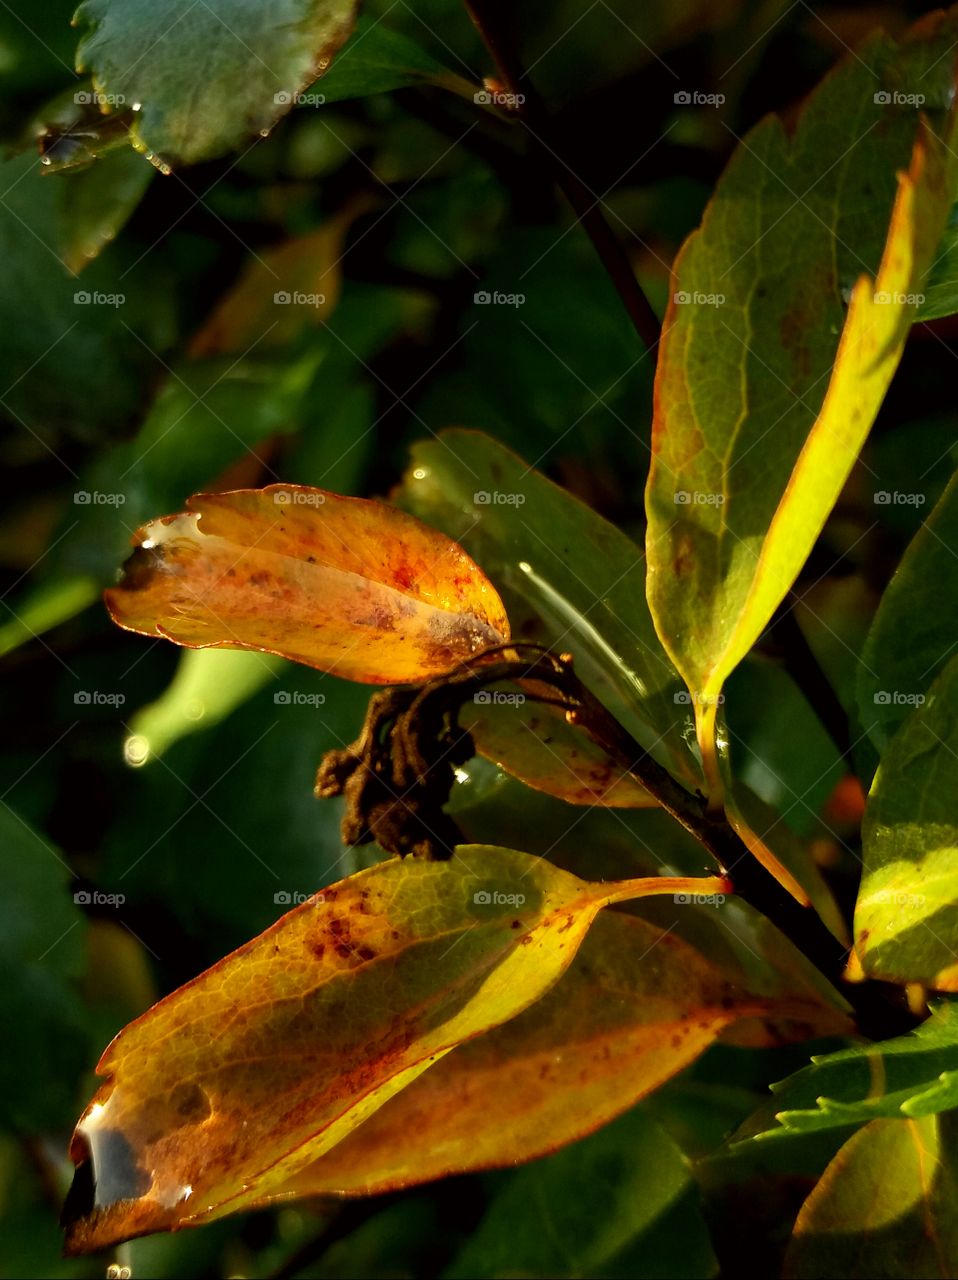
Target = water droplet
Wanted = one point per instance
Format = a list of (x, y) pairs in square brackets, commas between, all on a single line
[(420, 473), (136, 750)]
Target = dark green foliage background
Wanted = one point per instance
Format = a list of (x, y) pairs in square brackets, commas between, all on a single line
[(200, 841)]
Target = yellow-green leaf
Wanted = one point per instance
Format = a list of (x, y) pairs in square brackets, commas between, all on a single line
[(906, 917), (348, 585), (790, 308), (636, 1006), (886, 1206)]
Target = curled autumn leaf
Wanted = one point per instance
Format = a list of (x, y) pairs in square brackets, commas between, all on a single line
[(226, 1089), (348, 585)]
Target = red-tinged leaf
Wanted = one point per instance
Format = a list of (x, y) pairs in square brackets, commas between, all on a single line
[(352, 586), (230, 1086), (534, 742), (636, 1006)]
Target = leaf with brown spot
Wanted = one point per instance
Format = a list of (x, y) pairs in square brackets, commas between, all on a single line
[(229, 1087), (635, 1007), (535, 743), (348, 585)]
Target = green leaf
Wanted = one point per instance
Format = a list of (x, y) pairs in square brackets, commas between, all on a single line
[(886, 1206), (594, 1210), (768, 380), (42, 953), (910, 1076), (906, 916), (912, 636), (567, 576), (208, 685), (346, 1000), (941, 286), (96, 202), (376, 59), (203, 78)]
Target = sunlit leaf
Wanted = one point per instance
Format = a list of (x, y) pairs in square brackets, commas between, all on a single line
[(534, 741), (568, 577), (240, 1079), (635, 1007), (351, 586), (912, 636), (887, 1206), (906, 916), (790, 309), (910, 1076), (208, 685), (206, 77)]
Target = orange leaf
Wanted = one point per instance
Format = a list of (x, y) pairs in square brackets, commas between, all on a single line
[(354, 587), (636, 1006), (231, 1085)]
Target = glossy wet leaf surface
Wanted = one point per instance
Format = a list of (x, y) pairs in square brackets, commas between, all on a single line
[(234, 1083), (635, 1007), (351, 586), (569, 577), (783, 333), (205, 78), (886, 1206), (534, 741), (906, 916)]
